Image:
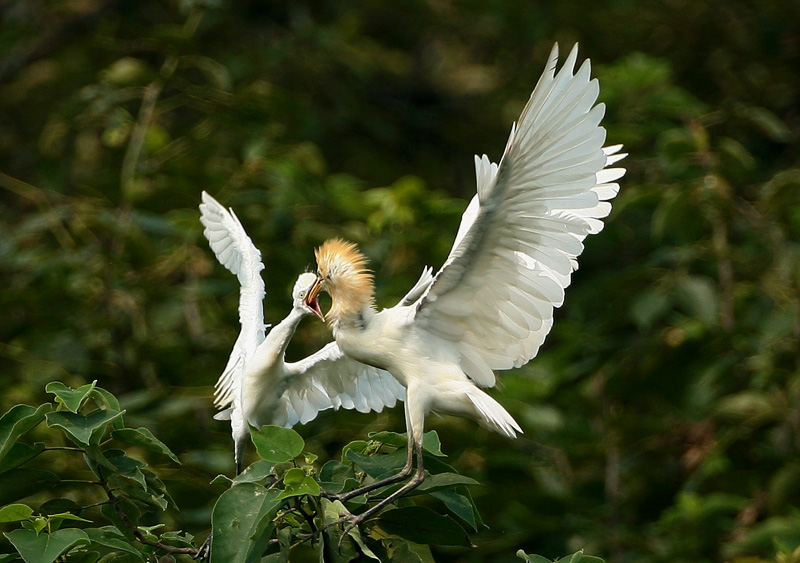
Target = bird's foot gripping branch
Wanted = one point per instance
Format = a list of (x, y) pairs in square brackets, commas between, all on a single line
[(286, 499)]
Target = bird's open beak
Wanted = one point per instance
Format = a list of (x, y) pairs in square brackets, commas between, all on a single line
[(311, 299)]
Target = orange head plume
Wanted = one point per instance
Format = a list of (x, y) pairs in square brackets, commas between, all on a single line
[(342, 272)]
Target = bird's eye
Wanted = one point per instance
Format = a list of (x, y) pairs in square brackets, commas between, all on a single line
[(302, 293), (328, 277)]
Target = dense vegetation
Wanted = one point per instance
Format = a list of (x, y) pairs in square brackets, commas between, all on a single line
[(662, 416)]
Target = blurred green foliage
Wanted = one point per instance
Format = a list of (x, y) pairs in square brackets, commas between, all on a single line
[(661, 417)]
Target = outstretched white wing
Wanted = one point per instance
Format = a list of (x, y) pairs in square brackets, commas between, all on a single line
[(234, 250), (522, 233), (329, 379)]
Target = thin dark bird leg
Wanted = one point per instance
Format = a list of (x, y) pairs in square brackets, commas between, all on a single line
[(204, 552), (416, 481), (403, 474)]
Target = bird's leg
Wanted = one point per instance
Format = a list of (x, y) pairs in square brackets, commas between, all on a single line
[(404, 473), (204, 553), (416, 481)]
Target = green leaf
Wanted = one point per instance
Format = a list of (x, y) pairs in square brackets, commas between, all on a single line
[(143, 438), (131, 512), (85, 429), (39, 523), (277, 444), (532, 558), (256, 471), (297, 483), (68, 516), (336, 477), (133, 489), (699, 297), (19, 453), (240, 522), (45, 548), (127, 466), (422, 525), (20, 483), (70, 398), (113, 404), (459, 505), (15, 512), (109, 536), (17, 421), (430, 441), (58, 506), (7, 557), (443, 481), (381, 465)]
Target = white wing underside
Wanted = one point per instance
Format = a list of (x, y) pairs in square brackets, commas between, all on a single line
[(234, 250), (329, 379), (521, 234)]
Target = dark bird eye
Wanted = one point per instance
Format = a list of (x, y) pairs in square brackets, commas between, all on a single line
[(328, 277)]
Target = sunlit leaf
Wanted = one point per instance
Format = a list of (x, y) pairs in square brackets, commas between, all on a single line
[(297, 483), (15, 512), (70, 398), (277, 444)]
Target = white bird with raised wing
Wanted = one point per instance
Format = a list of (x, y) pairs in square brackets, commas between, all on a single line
[(258, 386), (491, 304)]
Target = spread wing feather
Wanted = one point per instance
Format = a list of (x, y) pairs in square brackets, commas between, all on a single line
[(521, 234), (234, 250), (329, 379)]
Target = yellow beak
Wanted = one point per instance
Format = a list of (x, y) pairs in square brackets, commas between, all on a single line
[(311, 298)]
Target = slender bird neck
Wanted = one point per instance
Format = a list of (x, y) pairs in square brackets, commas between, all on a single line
[(279, 336)]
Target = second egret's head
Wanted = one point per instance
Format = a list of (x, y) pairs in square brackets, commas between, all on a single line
[(301, 294)]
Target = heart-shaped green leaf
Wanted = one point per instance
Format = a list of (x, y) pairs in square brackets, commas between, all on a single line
[(15, 513), (277, 444), (17, 421), (70, 398), (84, 429), (143, 438), (44, 547)]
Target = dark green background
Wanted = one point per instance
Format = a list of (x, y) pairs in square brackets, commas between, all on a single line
[(661, 416)]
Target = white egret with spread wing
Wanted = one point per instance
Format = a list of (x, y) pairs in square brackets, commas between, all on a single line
[(258, 386), (491, 304)]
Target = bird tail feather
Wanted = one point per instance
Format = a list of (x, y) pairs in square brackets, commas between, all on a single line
[(492, 414)]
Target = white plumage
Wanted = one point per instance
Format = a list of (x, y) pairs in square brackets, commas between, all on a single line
[(258, 386), (491, 304)]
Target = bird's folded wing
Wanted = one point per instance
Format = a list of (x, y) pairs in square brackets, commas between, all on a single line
[(234, 250), (519, 239), (330, 379)]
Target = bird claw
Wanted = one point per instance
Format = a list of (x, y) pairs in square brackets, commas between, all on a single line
[(204, 552)]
